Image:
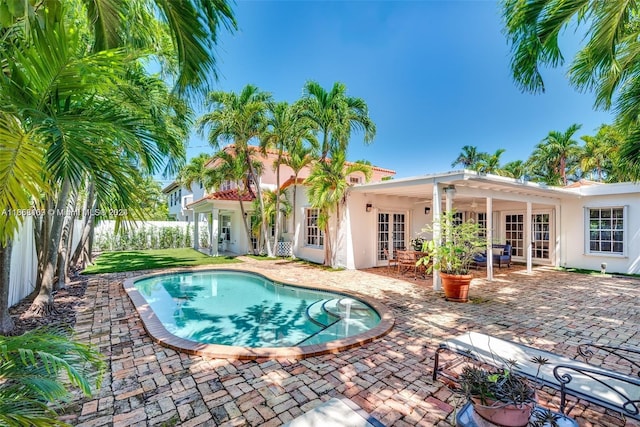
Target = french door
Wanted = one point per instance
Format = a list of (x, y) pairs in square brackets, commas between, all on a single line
[(540, 235), (391, 234)]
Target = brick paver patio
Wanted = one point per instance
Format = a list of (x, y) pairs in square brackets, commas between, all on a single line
[(148, 384)]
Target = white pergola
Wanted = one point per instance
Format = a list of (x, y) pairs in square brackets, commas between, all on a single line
[(460, 189)]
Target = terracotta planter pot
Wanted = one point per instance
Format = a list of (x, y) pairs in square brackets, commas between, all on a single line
[(504, 414), (456, 287)]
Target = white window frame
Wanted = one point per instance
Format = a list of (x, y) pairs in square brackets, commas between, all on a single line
[(625, 232), (319, 237)]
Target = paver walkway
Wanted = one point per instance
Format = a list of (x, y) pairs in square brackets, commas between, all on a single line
[(148, 384)]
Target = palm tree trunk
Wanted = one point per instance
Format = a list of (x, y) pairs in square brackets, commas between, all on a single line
[(6, 323), (247, 229), (65, 237), (327, 246), (295, 224), (277, 216), (82, 255), (43, 303), (263, 226)]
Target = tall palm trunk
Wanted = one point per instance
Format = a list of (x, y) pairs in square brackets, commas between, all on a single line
[(43, 303), (247, 229), (65, 237), (295, 224), (6, 323), (263, 224), (277, 216), (82, 255), (327, 246)]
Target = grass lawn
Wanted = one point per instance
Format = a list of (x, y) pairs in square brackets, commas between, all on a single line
[(114, 262)]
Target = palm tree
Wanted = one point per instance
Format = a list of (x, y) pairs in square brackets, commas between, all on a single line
[(275, 205), (335, 115), (607, 62), (194, 171), (60, 102), (298, 157), (36, 369), (285, 129), (239, 118), (468, 158), (516, 169), (327, 192), (564, 150), (599, 150), (232, 166), (543, 165), (489, 163)]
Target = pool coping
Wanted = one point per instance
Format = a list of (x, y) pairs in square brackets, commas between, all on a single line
[(161, 335)]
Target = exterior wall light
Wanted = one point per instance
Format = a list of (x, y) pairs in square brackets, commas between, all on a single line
[(369, 206), (427, 209)]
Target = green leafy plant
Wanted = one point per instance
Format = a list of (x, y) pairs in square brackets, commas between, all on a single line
[(37, 370), (458, 245), (418, 243), (543, 417), (495, 385)]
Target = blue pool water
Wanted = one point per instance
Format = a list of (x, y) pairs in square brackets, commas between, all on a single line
[(245, 309)]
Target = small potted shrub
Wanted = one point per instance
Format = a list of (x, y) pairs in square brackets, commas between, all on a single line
[(454, 254), (418, 243), (498, 395)]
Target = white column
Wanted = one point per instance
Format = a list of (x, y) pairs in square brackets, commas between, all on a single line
[(528, 243), (196, 231), (489, 238), (437, 212), (450, 191), (214, 231), (556, 239)]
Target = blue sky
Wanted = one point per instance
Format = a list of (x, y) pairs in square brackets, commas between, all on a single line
[(435, 75)]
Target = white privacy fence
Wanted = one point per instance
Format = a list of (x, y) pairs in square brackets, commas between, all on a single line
[(24, 263), (141, 235), (24, 260)]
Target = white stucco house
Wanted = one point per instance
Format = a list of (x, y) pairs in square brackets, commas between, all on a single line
[(585, 225), (179, 197), (226, 223)]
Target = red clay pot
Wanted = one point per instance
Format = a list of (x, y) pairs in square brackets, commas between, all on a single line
[(456, 287), (504, 414)]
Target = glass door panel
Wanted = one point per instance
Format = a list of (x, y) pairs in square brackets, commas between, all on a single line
[(391, 233)]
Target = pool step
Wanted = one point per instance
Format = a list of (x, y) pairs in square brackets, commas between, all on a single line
[(340, 307), (317, 313)]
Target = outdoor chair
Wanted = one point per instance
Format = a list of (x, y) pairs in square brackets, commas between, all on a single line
[(501, 256), (480, 260), (392, 262)]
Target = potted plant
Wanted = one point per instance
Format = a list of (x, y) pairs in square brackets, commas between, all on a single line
[(454, 253), (418, 243), (498, 395)]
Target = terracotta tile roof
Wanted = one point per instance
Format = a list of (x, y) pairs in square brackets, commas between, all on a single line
[(226, 195), (231, 195)]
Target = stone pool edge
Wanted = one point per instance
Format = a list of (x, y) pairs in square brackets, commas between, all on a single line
[(159, 333)]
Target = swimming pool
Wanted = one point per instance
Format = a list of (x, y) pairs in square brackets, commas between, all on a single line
[(204, 311)]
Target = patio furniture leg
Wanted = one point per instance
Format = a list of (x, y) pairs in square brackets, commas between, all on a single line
[(436, 362)]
